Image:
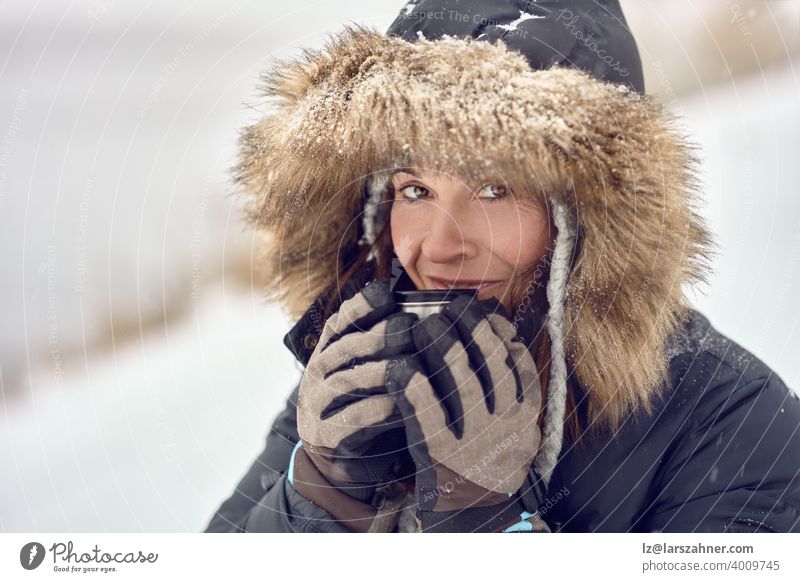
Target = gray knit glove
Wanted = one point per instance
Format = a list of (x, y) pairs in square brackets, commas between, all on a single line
[(470, 401), (350, 428)]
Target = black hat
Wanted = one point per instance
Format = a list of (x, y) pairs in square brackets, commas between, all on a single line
[(591, 35)]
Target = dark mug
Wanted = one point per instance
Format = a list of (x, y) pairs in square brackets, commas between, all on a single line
[(424, 303)]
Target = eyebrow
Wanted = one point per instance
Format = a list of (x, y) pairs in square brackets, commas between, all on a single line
[(407, 171), (412, 172)]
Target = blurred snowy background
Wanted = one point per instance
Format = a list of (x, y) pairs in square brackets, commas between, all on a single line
[(139, 368)]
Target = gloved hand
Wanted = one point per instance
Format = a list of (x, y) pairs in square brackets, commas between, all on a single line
[(352, 435), (470, 401)]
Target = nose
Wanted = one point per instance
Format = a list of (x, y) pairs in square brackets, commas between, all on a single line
[(449, 237)]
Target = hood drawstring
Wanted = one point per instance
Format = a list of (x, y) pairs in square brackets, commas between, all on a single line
[(555, 407), (373, 215)]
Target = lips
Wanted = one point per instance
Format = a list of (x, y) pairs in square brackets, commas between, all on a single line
[(460, 283)]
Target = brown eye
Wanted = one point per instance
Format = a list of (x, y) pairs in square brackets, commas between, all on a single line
[(493, 192), (413, 192)]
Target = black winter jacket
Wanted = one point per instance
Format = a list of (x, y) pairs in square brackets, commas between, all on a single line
[(720, 453)]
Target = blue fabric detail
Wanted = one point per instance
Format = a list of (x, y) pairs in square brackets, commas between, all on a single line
[(290, 470), (522, 525)]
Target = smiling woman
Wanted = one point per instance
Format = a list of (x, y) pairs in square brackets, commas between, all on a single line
[(569, 200), (450, 234)]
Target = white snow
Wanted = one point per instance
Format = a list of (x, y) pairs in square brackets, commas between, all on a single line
[(406, 10), (749, 150), (154, 436), (523, 16)]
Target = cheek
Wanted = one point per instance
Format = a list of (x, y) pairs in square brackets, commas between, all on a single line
[(405, 236), (523, 237)]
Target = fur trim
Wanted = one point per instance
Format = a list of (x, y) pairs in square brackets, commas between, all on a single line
[(612, 157)]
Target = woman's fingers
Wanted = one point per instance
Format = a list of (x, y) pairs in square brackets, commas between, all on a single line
[(359, 313), (448, 368), (352, 400), (488, 354), (426, 420), (529, 388), (385, 340)]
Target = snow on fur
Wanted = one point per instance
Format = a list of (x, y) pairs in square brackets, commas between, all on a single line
[(612, 157)]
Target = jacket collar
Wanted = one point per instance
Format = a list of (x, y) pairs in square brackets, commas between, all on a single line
[(303, 337)]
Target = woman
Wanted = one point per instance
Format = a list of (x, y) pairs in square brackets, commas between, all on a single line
[(578, 391)]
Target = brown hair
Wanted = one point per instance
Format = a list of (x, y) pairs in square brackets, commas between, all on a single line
[(533, 278)]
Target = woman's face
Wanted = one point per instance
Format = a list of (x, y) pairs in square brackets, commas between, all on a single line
[(450, 234)]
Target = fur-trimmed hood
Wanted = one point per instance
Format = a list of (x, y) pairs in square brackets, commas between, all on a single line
[(609, 156)]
